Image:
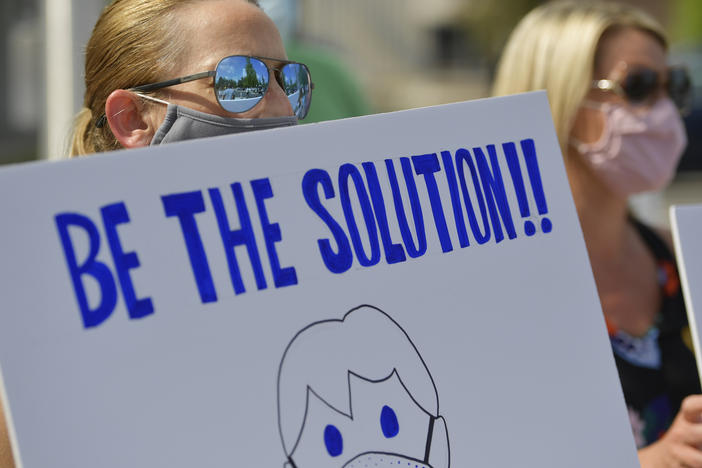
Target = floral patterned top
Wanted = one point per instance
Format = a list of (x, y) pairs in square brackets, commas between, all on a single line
[(657, 370)]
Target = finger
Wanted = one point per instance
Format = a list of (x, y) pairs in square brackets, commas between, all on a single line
[(691, 408), (691, 433), (687, 455)]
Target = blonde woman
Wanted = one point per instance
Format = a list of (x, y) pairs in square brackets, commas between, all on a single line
[(615, 104), (158, 71)]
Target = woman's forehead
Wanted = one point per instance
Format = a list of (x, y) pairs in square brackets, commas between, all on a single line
[(217, 28), (632, 46)]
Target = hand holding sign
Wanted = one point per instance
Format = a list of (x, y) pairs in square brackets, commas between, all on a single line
[(680, 446)]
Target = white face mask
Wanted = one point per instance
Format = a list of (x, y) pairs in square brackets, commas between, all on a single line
[(637, 152)]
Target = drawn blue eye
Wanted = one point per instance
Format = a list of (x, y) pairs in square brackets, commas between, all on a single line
[(333, 440), (388, 422)]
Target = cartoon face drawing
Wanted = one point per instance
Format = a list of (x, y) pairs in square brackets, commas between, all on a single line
[(355, 393)]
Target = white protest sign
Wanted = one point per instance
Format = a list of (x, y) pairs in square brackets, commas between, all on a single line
[(686, 227), (409, 289)]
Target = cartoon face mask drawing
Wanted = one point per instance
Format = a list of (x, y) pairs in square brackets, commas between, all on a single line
[(355, 393)]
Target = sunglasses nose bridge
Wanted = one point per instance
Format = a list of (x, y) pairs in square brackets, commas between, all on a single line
[(278, 74), (276, 102)]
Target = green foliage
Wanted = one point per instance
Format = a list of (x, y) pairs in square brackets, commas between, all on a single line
[(250, 80)]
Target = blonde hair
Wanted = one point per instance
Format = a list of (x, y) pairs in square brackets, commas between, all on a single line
[(554, 48), (134, 42)]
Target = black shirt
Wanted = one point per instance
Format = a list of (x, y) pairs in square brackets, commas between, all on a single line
[(657, 371)]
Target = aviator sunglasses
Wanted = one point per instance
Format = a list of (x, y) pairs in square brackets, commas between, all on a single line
[(241, 81), (641, 84)]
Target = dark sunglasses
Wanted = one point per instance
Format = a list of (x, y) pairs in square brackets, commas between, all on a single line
[(640, 84), (241, 81)]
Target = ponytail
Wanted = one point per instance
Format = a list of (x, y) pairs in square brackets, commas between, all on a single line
[(80, 144)]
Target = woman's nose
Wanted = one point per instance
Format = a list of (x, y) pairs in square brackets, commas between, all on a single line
[(275, 102)]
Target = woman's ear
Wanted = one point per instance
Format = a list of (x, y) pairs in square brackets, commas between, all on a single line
[(131, 125)]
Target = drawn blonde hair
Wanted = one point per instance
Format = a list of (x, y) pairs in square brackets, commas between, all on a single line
[(554, 48), (133, 42)]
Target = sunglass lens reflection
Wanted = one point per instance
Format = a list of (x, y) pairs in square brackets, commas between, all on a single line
[(296, 84), (240, 83)]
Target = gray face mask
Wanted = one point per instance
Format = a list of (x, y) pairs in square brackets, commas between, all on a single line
[(182, 123)]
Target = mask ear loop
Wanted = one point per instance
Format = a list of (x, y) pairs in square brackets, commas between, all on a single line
[(601, 107), (103, 119), (151, 98)]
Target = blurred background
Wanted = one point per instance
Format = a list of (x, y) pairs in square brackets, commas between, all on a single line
[(365, 56)]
